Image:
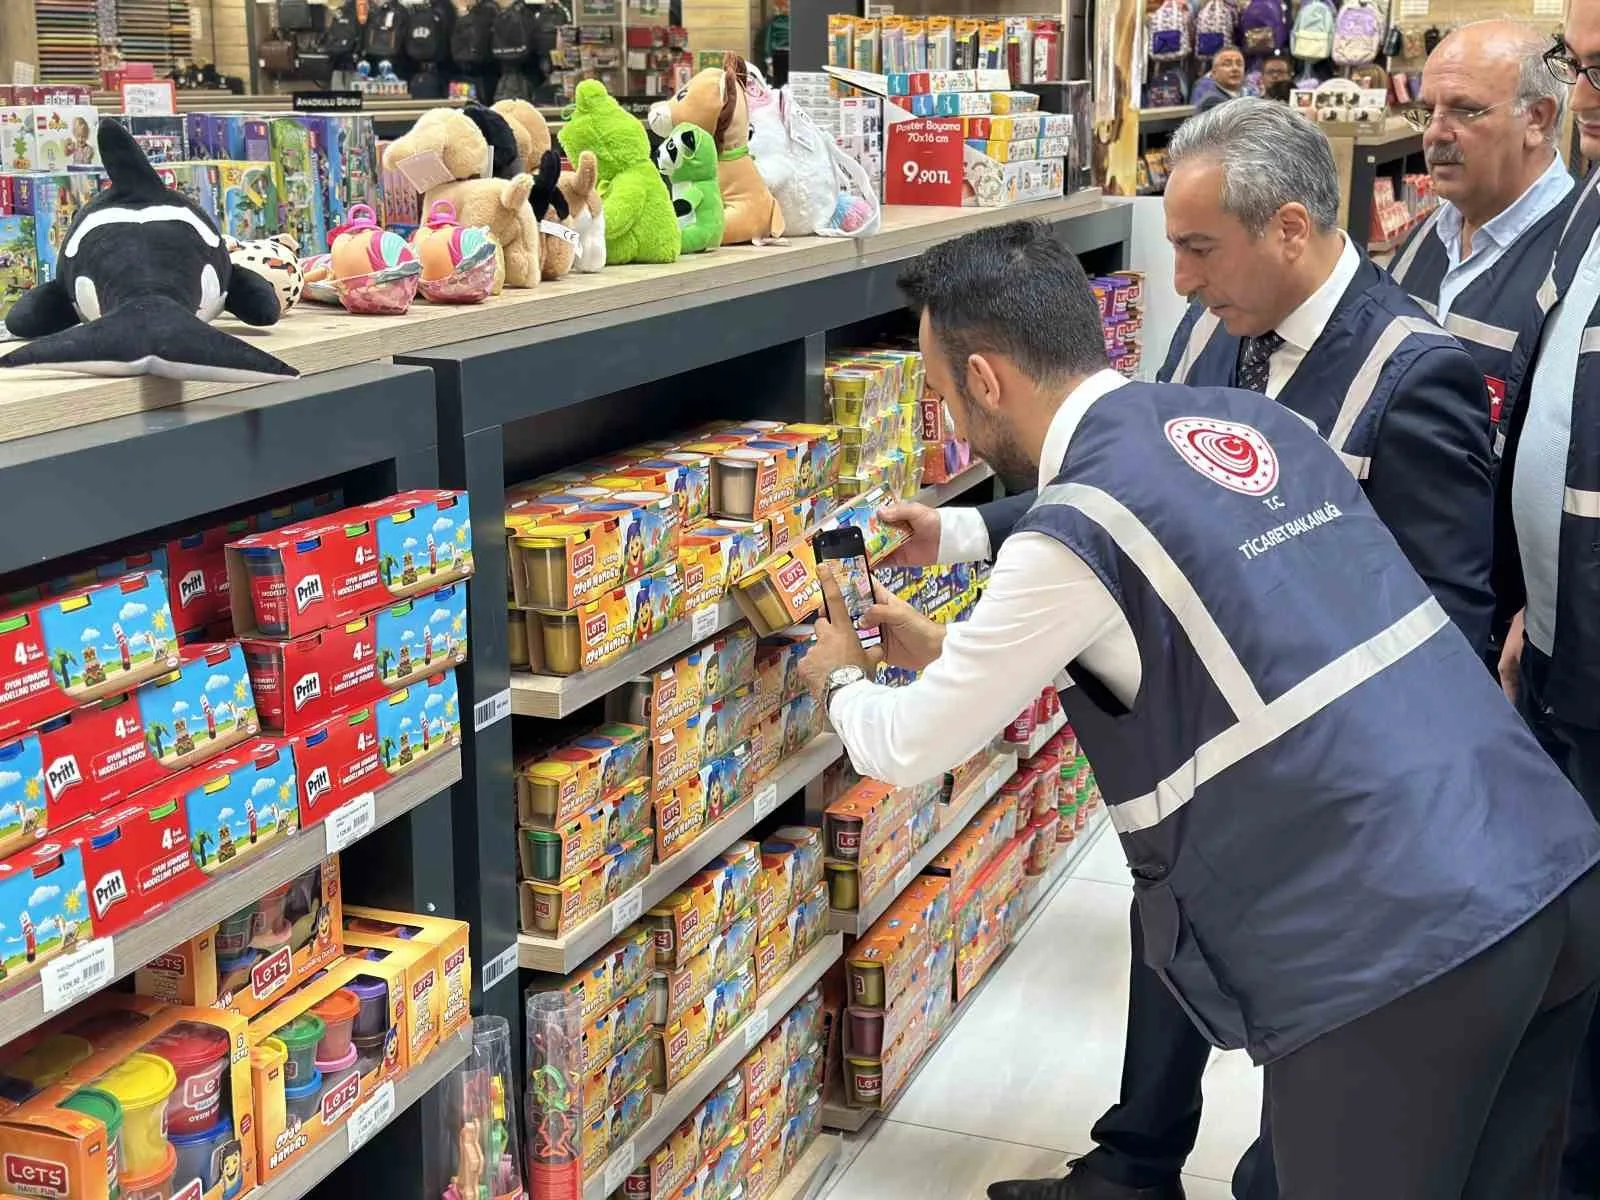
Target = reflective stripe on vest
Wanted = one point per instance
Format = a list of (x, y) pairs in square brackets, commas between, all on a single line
[(1481, 332), (1366, 379), (1199, 338), (1400, 269)]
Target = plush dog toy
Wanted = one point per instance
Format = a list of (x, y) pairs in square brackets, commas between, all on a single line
[(586, 212), (449, 156), (688, 158), (640, 226), (528, 127), (715, 100), (143, 272)]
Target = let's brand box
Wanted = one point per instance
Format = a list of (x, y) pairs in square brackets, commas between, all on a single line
[(94, 643), (320, 573), (413, 989), (448, 939)]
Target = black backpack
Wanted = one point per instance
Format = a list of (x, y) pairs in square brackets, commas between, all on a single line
[(472, 41), (428, 32), (511, 35), (342, 35), (512, 85), (385, 34)]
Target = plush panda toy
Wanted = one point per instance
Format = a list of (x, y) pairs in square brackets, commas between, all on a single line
[(275, 259)]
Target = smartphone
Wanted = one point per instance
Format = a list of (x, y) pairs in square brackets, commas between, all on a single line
[(847, 548)]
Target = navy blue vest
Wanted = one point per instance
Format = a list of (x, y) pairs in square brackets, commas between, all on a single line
[(1487, 315), (1375, 335), (1325, 800)]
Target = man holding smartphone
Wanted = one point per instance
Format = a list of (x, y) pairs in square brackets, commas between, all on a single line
[(1273, 704)]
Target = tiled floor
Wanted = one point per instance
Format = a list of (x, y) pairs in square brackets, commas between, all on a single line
[(1015, 1086)]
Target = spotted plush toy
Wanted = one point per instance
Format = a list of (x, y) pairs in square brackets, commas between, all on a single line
[(275, 259)]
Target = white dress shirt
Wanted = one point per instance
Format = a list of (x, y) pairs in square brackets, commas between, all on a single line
[(1302, 327), (1043, 608)]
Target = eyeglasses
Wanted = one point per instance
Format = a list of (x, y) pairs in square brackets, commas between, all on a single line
[(1421, 115), (1559, 62)]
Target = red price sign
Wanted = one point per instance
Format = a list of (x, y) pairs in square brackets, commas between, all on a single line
[(924, 163)]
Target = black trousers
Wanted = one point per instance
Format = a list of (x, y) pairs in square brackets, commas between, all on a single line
[(1457, 1089)]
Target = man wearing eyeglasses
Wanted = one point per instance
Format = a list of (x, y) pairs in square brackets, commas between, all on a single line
[(1547, 520), (1489, 114)]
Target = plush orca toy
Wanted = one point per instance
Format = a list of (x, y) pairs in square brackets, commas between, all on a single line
[(145, 271)]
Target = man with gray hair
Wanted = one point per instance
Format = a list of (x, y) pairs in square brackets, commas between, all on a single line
[(1489, 111), (1284, 304)]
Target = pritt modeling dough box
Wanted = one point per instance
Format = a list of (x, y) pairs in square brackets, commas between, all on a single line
[(44, 907), (321, 572), (202, 708)]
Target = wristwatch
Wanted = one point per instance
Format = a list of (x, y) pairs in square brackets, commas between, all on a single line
[(837, 678)]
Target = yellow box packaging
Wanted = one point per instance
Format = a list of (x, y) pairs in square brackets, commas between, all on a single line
[(554, 855), (818, 464), (567, 562), (555, 787), (713, 557), (449, 939), (775, 954), (686, 921), (750, 482), (605, 1087), (679, 1048), (673, 993), (412, 972), (783, 590), (764, 1066), (616, 1125), (566, 642)]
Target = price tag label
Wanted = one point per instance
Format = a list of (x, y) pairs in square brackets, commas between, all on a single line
[(371, 1116), (619, 1166), (491, 711), (627, 909), (924, 163), (766, 801), (501, 966), (351, 821), (68, 978), (705, 622), (756, 1028)]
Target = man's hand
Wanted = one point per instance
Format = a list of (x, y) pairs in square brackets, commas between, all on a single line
[(910, 639), (923, 524), (836, 642), (1511, 660)]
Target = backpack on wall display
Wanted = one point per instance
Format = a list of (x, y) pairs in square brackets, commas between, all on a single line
[(1166, 90), (428, 32), (1357, 34), (1169, 31), (1214, 28), (1313, 31), (342, 35), (1261, 27), (385, 31), (511, 36), (472, 40)]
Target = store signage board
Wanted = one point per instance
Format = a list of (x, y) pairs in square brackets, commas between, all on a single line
[(327, 102), (922, 163), (149, 98)]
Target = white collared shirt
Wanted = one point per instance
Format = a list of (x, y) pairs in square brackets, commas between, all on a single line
[(1044, 608), (1301, 328)]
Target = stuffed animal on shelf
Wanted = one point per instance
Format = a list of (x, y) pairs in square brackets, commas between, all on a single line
[(587, 214), (688, 158), (558, 240), (640, 226), (447, 156), (528, 127), (277, 260), (142, 273), (715, 100)]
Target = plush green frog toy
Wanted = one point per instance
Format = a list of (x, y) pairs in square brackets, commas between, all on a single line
[(688, 159), (639, 221)]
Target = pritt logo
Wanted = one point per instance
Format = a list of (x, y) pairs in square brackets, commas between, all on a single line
[(191, 587), (271, 973), (307, 689), (111, 889), (35, 1176), (62, 774), (792, 576), (595, 628), (341, 1099), (318, 784), (583, 560), (308, 592)]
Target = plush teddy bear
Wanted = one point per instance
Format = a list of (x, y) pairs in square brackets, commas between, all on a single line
[(586, 212), (715, 100), (688, 158), (640, 226), (528, 126), (449, 157)]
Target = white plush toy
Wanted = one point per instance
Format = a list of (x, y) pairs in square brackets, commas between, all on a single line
[(801, 166)]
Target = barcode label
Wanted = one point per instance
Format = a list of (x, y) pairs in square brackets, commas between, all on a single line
[(372, 1116), (627, 909), (351, 821), (68, 978), (766, 801), (619, 1166), (756, 1028), (705, 622), (496, 708), (501, 966)]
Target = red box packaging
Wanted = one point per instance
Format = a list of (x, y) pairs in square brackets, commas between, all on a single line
[(197, 574), (322, 572), (338, 760), (136, 860)]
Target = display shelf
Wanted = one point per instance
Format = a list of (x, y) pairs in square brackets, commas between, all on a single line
[(323, 1158), (556, 696), (672, 1107), (561, 955), (294, 856), (838, 1115), (859, 920), (936, 494), (1164, 120), (811, 1172)]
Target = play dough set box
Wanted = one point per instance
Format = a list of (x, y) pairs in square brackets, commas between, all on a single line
[(178, 1081), (413, 982), (449, 941), (323, 572), (238, 805), (200, 709), (302, 682), (782, 591), (672, 692), (44, 907), (259, 954), (564, 642), (581, 555), (97, 642), (552, 909), (136, 859), (571, 779)]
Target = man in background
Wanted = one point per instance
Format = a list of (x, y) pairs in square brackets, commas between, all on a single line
[(1490, 112), (1224, 82), (1277, 78)]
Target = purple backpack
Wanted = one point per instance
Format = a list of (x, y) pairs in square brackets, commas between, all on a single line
[(1262, 27), (1169, 31), (1214, 28)]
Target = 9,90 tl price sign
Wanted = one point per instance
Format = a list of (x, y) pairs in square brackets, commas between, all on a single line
[(923, 163)]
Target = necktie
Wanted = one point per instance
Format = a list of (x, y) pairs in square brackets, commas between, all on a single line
[(1255, 361)]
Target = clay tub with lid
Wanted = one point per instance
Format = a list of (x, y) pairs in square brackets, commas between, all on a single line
[(300, 1037), (142, 1084), (338, 1013), (373, 994), (104, 1107), (199, 1155), (303, 1100), (199, 1056), (154, 1184)]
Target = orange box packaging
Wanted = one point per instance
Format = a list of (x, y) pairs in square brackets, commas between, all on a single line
[(762, 1069), (606, 1085), (609, 975), (752, 481), (673, 993), (550, 909), (864, 816), (817, 467), (686, 921), (782, 591), (564, 642), (883, 962), (670, 694), (259, 954), (775, 954), (447, 937), (568, 781), (680, 1047), (412, 979), (716, 556), (775, 890)]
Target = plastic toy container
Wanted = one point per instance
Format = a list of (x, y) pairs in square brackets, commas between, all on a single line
[(200, 1155), (338, 1014), (269, 919), (233, 935), (141, 1084), (373, 1019), (154, 1184), (199, 1056), (104, 1107), (300, 1037), (369, 1050), (336, 1071), (303, 1099), (269, 595)]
